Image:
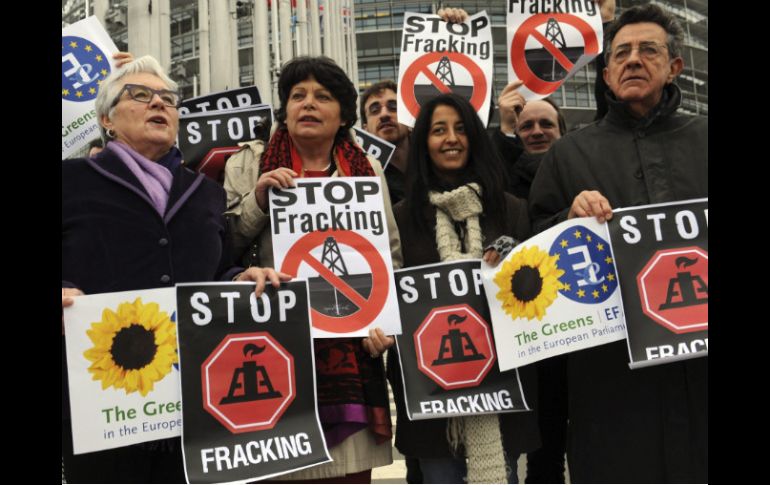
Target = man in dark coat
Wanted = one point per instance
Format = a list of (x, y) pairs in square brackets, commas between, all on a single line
[(379, 117), (646, 425)]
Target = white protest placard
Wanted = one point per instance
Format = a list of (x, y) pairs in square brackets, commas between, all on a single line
[(548, 42), (122, 364), (554, 293), (86, 59), (441, 57), (333, 232)]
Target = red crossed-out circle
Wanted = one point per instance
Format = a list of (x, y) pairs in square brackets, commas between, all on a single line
[(368, 309), (421, 66), (527, 28)]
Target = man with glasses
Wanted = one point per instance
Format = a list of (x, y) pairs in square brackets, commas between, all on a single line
[(378, 117), (646, 425)]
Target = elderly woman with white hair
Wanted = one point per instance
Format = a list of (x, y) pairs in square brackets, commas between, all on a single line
[(134, 218)]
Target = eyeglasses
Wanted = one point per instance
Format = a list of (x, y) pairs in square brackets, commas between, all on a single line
[(375, 108), (144, 94), (649, 50)]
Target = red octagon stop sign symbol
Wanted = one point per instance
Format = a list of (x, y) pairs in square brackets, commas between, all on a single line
[(248, 382), (673, 288), (454, 347)]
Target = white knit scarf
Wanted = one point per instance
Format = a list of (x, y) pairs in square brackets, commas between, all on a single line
[(480, 435), (459, 205)]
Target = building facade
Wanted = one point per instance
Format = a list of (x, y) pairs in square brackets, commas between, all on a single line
[(209, 45)]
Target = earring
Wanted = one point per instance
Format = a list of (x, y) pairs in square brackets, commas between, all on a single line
[(110, 133)]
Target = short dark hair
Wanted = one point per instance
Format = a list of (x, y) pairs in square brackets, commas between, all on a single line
[(483, 167), (329, 75), (376, 88), (648, 13)]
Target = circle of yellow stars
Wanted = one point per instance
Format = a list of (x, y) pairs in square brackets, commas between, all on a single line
[(600, 247), (103, 72)]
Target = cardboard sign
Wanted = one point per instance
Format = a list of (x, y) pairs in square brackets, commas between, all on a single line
[(333, 232), (555, 293), (661, 251), (86, 60), (248, 382), (440, 57), (548, 42), (122, 368)]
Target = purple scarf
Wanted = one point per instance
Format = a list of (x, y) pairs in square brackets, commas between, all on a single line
[(155, 178)]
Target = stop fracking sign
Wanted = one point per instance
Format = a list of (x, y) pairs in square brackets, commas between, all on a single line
[(333, 231), (661, 252), (447, 351), (442, 57), (548, 42), (248, 384)]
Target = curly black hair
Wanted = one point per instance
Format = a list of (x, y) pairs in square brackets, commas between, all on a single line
[(330, 76)]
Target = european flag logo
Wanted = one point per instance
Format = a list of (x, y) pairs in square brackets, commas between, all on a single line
[(83, 69), (589, 272)]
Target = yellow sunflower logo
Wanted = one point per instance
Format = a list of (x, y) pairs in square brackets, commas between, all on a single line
[(133, 348), (529, 283)]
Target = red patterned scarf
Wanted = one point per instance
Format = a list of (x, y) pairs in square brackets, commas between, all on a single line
[(281, 152)]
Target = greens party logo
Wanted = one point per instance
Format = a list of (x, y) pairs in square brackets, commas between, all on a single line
[(529, 282), (588, 269), (578, 266), (84, 68), (133, 347)]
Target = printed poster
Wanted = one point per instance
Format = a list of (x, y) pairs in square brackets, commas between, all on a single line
[(333, 232), (447, 351), (441, 57), (123, 368), (555, 293), (86, 60), (248, 382), (662, 257), (548, 42)]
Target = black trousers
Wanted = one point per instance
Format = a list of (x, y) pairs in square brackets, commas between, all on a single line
[(546, 465)]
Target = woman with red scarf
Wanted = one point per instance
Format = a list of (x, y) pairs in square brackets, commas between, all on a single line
[(312, 139)]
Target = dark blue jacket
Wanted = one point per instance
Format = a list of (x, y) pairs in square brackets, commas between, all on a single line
[(113, 239)]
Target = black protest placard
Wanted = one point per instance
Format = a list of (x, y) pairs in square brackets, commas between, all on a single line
[(248, 382), (221, 101), (208, 139), (447, 350), (661, 253), (375, 146)]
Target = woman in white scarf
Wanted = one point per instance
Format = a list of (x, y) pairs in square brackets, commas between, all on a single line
[(455, 205)]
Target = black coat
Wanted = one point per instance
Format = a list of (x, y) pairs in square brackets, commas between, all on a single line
[(651, 424), (113, 239), (427, 438)]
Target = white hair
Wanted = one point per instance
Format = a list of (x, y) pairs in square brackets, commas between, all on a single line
[(111, 86)]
